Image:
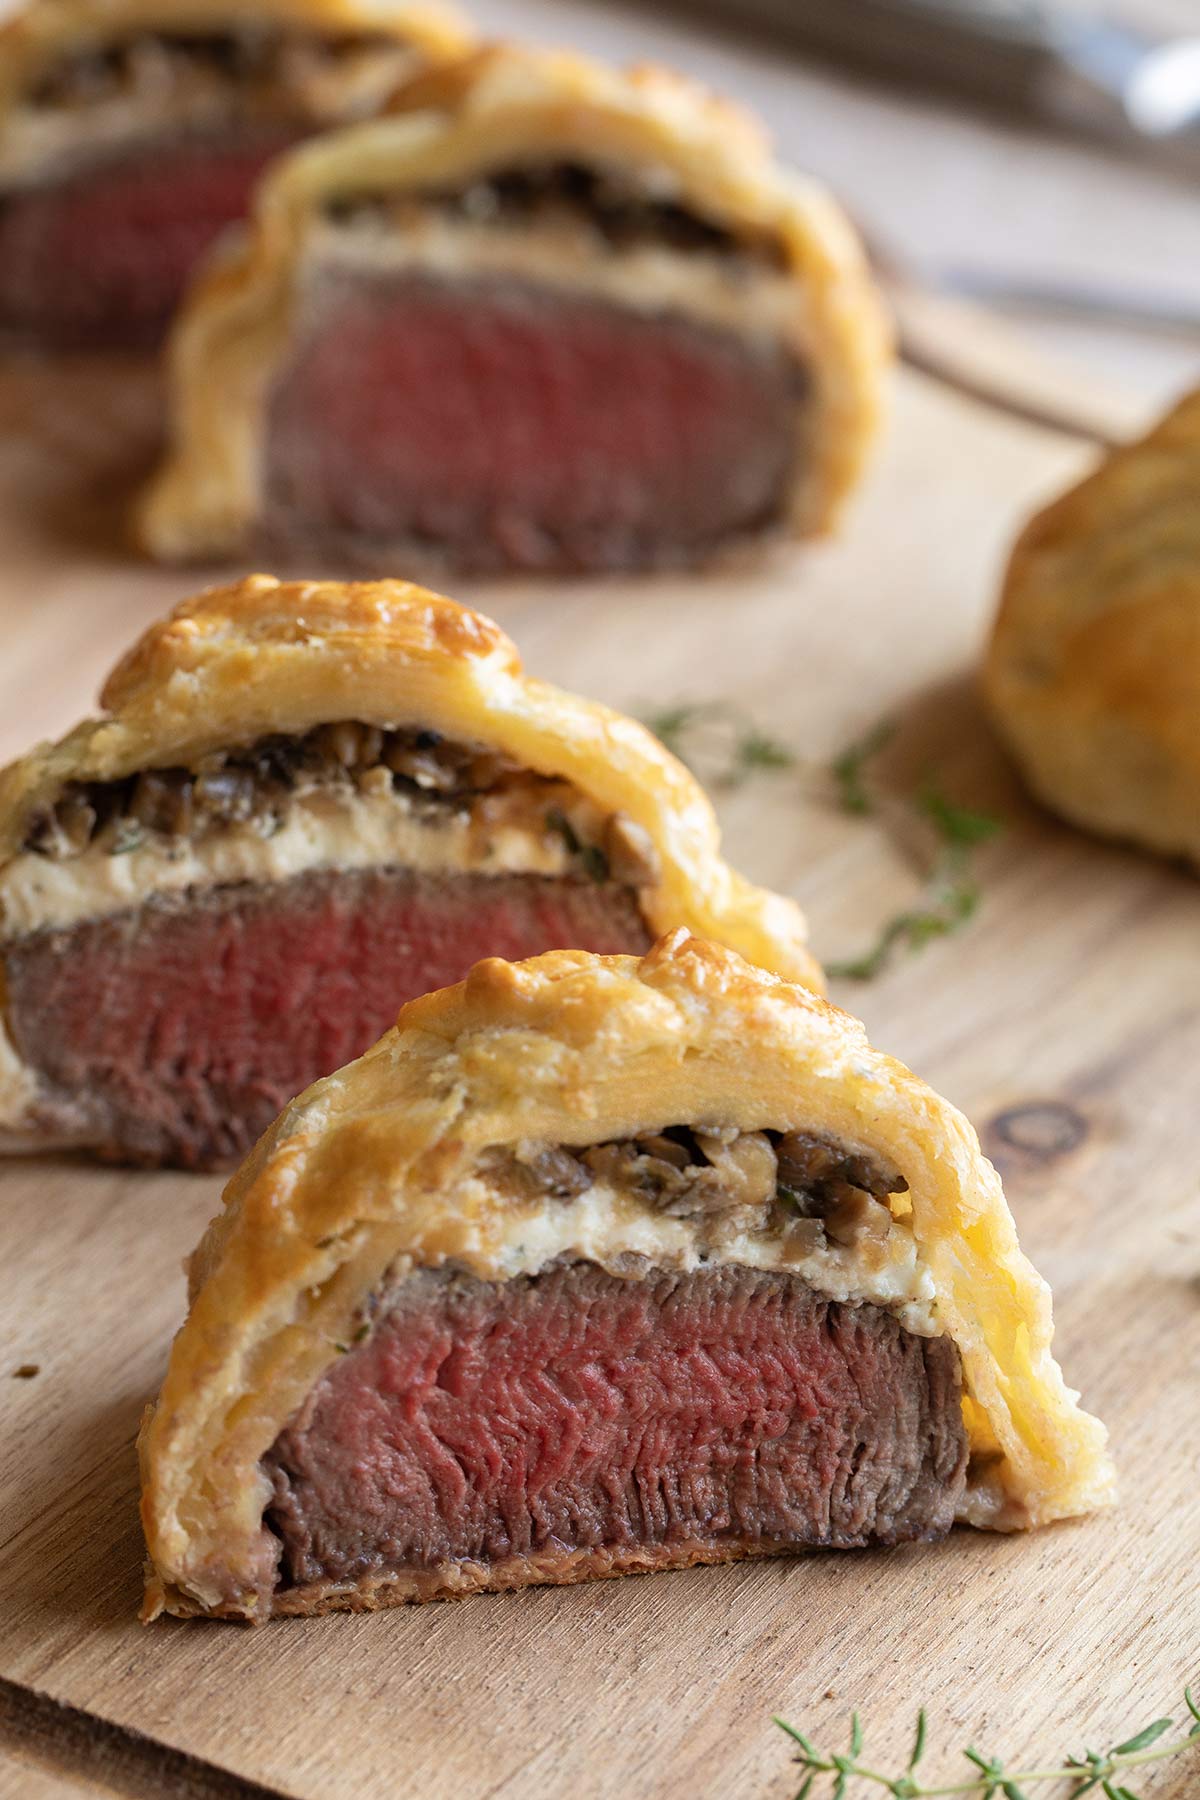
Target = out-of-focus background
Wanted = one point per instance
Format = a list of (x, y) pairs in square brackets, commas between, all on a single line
[(1020, 201)]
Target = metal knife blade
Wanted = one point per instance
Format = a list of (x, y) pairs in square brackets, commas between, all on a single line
[(1067, 64)]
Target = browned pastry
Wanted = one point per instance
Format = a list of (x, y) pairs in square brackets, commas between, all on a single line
[(303, 805), (1093, 675), (545, 316), (592, 1266), (133, 131)]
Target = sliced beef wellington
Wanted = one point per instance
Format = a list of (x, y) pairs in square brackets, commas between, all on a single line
[(302, 806), (596, 1265), (543, 317), (132, 132)]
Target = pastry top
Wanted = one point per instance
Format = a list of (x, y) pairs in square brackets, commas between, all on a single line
[(369, 1174), (504, 104), (499, 109), (40, 33), (1094, 668), (263, 656)]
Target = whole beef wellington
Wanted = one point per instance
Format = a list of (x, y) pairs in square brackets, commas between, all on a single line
[(544, 317), (595, 1265), (133, 131), (303, 806)]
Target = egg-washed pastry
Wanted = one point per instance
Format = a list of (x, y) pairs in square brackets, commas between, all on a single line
[(132, 132), (545, 317), (1093, 675), (302, 806), (595, 1265)]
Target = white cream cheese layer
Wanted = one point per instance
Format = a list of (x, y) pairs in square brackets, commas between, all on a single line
[(321, 829), (606, 1226), (755, 301)]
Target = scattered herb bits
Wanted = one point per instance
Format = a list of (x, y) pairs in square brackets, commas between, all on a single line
[(719, 741), (849, 770)]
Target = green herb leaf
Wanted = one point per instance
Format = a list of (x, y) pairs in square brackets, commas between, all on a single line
[(591, 857), (954, 824), (730, 736), (672, 724), (849, 768), (918, 1749), (1145, 1738), (128, 836), (950, 910), (795, 1733), (754, 751)]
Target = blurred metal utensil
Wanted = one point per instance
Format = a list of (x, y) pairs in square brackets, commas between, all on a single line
[(1136, 310), (1064, 64)]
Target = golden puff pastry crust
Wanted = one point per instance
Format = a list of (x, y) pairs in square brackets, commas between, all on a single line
[(499, 109), (370, 1173), (1093, 674)]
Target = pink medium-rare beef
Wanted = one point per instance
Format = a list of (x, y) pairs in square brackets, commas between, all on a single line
[(727, 1410), (496, 425), (100, 258), (176, 1032)]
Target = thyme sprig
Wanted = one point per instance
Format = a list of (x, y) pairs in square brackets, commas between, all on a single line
[(719, 733), (952, 894), (1095, 1771), (719, 740)]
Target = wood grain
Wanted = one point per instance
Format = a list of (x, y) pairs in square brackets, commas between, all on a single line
[(48, 1750), (1066, 1021)]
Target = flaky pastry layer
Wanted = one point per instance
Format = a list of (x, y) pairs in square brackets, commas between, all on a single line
[(1093, 674), (367, 1176), (501, 109)]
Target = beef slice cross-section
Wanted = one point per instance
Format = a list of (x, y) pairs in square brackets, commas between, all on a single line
[(100, 257), (177, 1031), (504, 426), (722, 1411)]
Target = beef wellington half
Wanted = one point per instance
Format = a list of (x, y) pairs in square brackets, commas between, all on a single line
[(595, 1265), (133, 131), (543, 317), (303, 806)]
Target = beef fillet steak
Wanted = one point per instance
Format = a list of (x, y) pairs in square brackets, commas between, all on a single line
[(176, 1032), (101, 258), (576, 1419), (512, 427)]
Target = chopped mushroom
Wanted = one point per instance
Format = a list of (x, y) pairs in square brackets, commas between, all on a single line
[(252, 785), (814, 1190)]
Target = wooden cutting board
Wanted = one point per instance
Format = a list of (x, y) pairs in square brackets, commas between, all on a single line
[(1065, 1020)]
